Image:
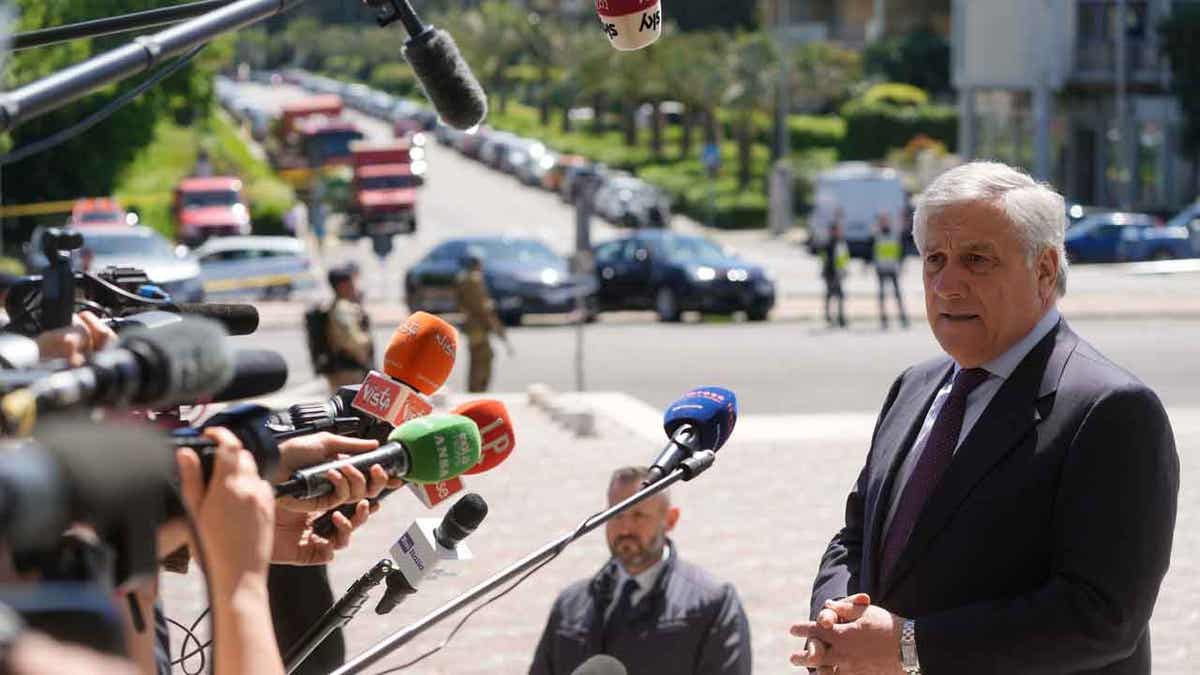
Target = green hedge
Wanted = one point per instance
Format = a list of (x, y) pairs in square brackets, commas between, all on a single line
[(872, 129), (804, 131)]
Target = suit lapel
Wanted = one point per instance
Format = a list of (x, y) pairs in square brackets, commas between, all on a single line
[(1012, 412)]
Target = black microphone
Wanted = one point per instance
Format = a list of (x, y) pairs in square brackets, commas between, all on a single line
[(601, 664), (444, 75), (418, 554), (238, 319), (178, 364), (256, 372)]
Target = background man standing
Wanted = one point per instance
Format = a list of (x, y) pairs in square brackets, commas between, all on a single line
[(349, 330), (1017, 506), (835, 259), (888, 252), (648, 608), (480, 321)]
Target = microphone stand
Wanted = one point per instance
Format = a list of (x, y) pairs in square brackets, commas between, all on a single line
[(689, 468), (55, 91), (336, 616), (113, 24)]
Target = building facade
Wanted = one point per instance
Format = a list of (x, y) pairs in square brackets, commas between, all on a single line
[(1078, 92)]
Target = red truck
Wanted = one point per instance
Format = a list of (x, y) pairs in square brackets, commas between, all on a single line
[(384, 190), (209, 207), (310, 136)]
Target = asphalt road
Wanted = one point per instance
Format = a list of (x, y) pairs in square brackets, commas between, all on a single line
[(775, 368)]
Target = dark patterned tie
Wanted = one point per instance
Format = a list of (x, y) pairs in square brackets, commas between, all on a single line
[(935, 458), (620, 614)]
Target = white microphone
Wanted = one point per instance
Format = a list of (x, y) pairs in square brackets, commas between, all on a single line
[(427, 543), (630, 24)]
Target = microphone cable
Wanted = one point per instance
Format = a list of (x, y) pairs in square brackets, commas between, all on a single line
[(190, 636), (578, 532)]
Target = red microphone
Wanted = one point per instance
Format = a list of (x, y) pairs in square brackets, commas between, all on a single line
[(630, 24), (497, 443)]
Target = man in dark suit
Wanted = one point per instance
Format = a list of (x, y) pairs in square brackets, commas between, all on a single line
[(647, 607), (1017, 506)]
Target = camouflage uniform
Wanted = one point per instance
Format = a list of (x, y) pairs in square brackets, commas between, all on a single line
[(481, 320), (350, 341)]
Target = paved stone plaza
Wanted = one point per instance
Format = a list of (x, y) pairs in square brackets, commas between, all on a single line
[(760, 518)]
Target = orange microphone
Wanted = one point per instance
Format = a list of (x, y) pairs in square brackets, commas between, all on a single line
[(418, 360)]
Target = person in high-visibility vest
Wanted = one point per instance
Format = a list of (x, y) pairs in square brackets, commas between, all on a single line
[(835, 259), (888, 252)]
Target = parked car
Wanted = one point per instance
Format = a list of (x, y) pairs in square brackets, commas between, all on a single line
[(574, 177), (101, 211), (1189, 218), (553, 178), (520, 152), (252, 266), (494, 146), (1126, 237), (129, 246), (625, 200), (674, 273), (522, 274), (533, 172)]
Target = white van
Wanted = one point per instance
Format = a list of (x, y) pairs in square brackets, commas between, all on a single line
[(861, 192)]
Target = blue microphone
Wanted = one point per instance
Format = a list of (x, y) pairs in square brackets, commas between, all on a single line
[(702, 419)]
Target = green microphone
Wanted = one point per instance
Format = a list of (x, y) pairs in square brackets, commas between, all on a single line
[(423, 450)]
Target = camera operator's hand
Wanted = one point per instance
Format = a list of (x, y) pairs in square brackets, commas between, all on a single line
[(76, 342), (349, 484), (235, 516), (297, 544), (235, 519)]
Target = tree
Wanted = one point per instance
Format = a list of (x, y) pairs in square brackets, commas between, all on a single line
[(823, 76), (753, 61), (88, 163), (695, 65), (1182, 50), (920, 58)]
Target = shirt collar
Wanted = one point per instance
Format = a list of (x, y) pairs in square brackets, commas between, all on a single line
[(1003, 366), (647, 577)]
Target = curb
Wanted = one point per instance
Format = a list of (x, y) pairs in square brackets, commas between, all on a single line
[(575, 415)]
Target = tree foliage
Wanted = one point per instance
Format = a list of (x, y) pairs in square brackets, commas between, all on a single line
[(920, 58), (88, 163), (1182, 50)]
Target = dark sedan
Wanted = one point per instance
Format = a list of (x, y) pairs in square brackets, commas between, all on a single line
[(673, 273), (523, 276)]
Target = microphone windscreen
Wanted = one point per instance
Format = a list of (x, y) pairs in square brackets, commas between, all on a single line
[(461, 520), (711, 410), (446, 78), (601, 664), (439, 447), (238, 319), (630, 24), (495, 431), (256, 372), (182, 363), (421, 352)]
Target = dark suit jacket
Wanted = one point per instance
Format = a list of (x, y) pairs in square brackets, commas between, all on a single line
[(688, 624), (1042, 548)]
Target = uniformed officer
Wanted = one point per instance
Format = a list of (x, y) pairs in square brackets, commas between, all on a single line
[(835, 258), (480, 321), (888, 253), (349, 330)]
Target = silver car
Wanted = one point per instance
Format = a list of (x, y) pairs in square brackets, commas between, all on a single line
[(268, 268)]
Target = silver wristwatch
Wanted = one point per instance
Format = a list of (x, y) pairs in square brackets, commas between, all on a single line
[(908, 648)]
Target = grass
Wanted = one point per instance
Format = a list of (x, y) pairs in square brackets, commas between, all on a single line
[(147, 183)]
